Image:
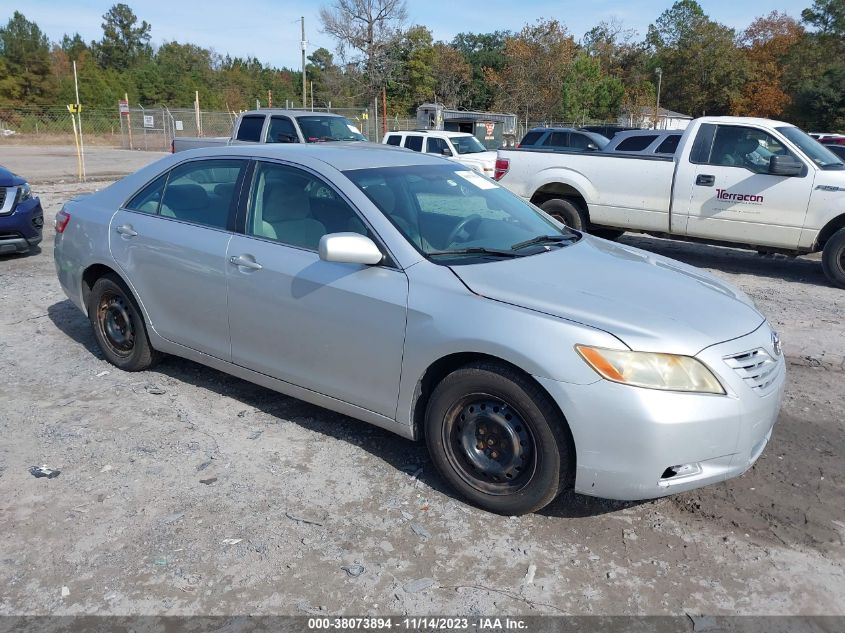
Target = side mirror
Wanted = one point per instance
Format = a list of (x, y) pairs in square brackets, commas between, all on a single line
[(785, 166), (349, 248), (446, 151), (592, 147)]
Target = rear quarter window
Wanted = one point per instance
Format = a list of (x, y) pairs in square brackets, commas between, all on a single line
[(668, 145), (250, 129), (394, 139), (636, 143), (531, 138)]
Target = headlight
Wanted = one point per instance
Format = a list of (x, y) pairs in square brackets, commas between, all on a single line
[(25, 193), (653, 371)]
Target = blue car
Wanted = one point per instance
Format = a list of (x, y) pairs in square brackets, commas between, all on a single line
[(21, 216)]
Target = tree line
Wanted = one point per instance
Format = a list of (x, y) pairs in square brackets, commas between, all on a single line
[(778, 66)]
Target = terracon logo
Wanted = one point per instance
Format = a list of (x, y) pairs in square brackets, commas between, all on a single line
[(721, 194)]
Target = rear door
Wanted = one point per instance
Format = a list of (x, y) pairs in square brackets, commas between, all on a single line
[(337, 329), (727, 193), (170, 241)]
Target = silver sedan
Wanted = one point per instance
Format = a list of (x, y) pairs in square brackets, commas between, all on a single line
[(414, 294)]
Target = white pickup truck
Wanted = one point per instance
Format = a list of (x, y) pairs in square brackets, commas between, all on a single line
[(734, 181), (278, 126)]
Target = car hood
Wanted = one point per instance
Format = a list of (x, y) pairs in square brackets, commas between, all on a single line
[(9, 179), (481, 159), (651, 303)]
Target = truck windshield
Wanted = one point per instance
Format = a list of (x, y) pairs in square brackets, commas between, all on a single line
[(468, 145), (814, 150), (318, 129), (456, 216)]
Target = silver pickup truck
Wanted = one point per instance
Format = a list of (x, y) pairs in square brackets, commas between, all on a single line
[(279, 126)]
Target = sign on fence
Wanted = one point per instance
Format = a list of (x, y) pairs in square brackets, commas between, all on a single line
[(123, 107), (179, 126), (149, 121)]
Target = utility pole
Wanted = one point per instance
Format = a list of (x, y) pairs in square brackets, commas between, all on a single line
[(79, 120), (659, 72), (304, 98)]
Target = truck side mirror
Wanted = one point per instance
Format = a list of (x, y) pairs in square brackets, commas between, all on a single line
[(785, 166), (446, 151)]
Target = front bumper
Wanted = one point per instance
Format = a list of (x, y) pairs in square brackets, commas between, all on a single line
[(627, 438), (22, 227)]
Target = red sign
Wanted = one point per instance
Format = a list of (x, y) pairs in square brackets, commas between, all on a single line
[(123, 107)]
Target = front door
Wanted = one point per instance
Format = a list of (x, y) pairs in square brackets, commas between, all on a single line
[(337, 329), (732, 196), (170, 241)]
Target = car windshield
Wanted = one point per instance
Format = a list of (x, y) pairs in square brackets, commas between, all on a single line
[(455, 215), (814, 150), (467, 145), (316, 129)]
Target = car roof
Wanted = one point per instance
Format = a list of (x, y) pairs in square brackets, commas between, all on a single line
[(629, 133), (290, 113), (744, 120), (446, 133), (343, 156), (556, 129)]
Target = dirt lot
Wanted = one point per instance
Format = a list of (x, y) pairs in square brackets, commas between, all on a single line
[(185, 491)]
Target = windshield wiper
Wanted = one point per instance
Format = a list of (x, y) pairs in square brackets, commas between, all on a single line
[(540, 239), (475, 250)]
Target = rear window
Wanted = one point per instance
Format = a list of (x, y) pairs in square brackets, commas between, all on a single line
[(557, 139), (394, 139), (669, 145), (531, 138), (636, 143), (250, 128), (414, 143)]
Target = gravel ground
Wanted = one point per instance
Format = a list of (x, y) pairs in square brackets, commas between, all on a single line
[(186, 491)]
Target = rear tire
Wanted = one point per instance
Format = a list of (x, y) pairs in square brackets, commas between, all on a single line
[(119, 326), (833, 259), (498, 439), (567, 212)]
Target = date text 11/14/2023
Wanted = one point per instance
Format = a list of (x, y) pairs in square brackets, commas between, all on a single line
[(418, 624)]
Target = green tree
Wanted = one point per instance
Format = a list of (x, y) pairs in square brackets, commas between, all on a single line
[(485, 53), (828, 16), (73, 46), (703, 67), (413, 83), (124, 42), (589, 93), (453, 76), (25, 53)]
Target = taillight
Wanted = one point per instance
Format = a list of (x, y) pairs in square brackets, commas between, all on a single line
[(62, 218), (518, 145), (503, 165)]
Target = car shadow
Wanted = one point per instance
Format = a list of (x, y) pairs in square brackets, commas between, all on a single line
[(402, 454), (732, 260), (32, 252)]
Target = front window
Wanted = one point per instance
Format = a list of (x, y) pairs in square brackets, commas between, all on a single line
[(749, 148), (814, 150), (317, 128), (454, 215), (467, 145)]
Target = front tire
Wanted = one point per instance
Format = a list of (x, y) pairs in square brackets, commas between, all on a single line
[(498, 439), (567, 212), (118, 325), (833, 259)]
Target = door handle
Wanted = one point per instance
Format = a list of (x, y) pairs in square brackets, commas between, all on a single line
[(705, 180), (126, 230), (245, 261)]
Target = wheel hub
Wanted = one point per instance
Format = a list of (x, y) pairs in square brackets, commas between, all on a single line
[(116, 324), (494, 440)]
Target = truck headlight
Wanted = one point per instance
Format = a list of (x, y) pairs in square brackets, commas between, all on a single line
[(668, 372), (24, 193)]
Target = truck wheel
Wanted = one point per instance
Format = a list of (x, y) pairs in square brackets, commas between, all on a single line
[(118, 325), (567, 212), (498, 439), (833, 259)]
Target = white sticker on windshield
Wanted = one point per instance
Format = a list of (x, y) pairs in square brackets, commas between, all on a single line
[(477, 179), (352, 128)]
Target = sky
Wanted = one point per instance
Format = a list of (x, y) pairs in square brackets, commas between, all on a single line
[(270, 30)]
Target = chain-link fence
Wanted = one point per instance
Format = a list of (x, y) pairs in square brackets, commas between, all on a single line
[(154, 128)]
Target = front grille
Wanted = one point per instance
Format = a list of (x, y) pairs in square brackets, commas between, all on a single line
[(756, 368)]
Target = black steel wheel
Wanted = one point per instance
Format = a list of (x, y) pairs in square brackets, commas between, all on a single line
[(497, 437), (119, 326)]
